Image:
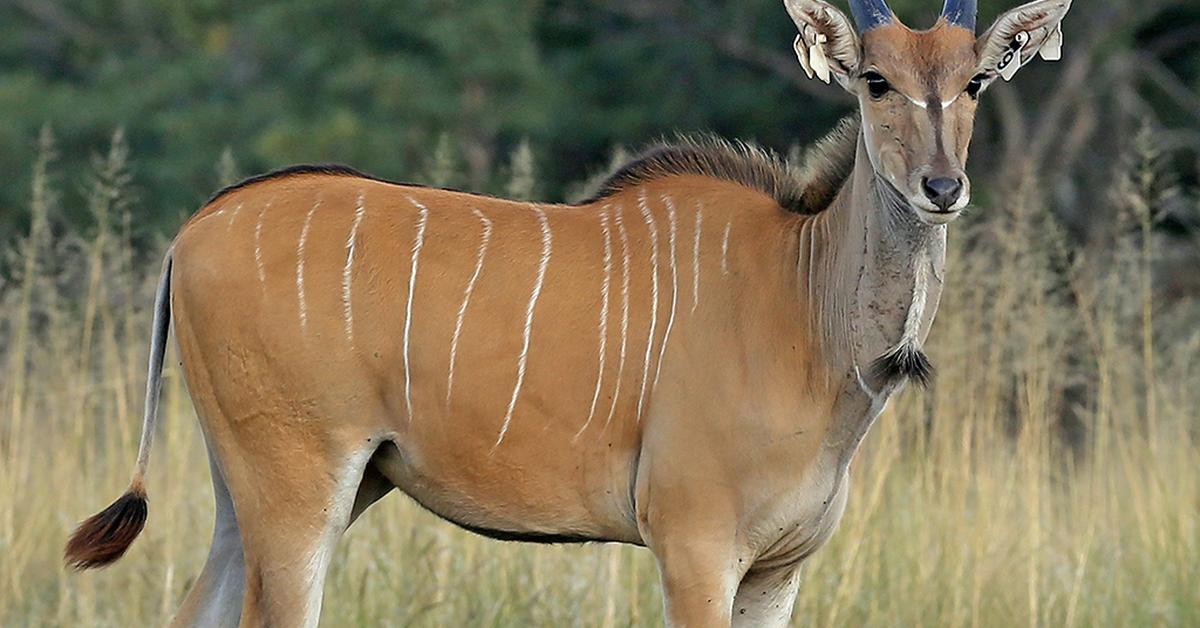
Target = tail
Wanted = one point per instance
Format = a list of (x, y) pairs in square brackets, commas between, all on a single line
[(103, 538)]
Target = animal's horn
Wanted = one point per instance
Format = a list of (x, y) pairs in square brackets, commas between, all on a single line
[(870, 14), (961, 13)]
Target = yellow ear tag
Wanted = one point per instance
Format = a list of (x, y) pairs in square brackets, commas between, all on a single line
[(1052, 48), (1011, 61)]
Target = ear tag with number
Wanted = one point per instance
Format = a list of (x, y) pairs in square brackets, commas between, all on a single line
[(1052, 48), (1011, 61)]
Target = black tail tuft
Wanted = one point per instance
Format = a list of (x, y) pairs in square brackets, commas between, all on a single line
[(905, 362), (104, 537)]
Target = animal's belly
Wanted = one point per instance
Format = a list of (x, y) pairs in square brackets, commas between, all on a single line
[(513, 423), (524, 489)]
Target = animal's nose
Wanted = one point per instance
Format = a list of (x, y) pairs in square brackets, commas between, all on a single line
[(942, 191)]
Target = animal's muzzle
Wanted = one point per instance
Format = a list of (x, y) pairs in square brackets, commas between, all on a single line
[(942, 191)]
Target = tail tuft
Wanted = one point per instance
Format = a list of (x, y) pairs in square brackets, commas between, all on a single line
[(104, 537), (905, 362)]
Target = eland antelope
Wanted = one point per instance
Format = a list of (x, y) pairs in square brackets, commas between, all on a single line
[(688, 361)]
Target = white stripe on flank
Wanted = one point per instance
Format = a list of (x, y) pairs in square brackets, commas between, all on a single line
[(653, 228), (300, 266), (662, 350), (604, 291), (462, 309), (418, 243), (725, 250), (237, 208), (696, 257), (347, 275), (533, 298), (625, 275), (258, 255)]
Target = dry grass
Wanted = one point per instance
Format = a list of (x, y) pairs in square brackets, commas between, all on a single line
[(968, 506)]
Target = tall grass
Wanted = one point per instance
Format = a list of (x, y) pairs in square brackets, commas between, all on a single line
[(1048, 478)]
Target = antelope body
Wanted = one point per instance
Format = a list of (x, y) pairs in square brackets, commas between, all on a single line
[(687, 361)]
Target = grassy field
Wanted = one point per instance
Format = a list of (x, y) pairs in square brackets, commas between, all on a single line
[(1048, 478)]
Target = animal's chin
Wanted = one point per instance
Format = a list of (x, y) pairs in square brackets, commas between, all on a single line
[(936, 217)]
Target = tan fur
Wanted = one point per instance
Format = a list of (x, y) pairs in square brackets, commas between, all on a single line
[(280, 429), (688, 361)]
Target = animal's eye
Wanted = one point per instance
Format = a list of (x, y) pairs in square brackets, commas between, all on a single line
[(976, 85), (877, 86)]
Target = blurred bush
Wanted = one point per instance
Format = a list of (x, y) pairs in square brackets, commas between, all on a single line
[(374, 84)]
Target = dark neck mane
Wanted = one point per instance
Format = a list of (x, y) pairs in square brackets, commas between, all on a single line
[(805, 188)]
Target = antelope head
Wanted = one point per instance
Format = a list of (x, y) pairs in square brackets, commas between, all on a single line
[(918, 90)]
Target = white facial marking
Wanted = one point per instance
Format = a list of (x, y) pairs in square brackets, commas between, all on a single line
[(662, 350), (653, 228), (418, 243), (603, 342), (462, 309), (300, 266), (924, 105), (696, 257), (258, 255), (725, 250), (547, 240), (625, 279), (347, 270)]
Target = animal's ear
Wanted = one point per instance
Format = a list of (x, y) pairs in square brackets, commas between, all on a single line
[(1020, 35), (828, 46)]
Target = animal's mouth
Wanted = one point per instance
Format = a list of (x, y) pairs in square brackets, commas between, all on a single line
[(937, 216), (921, 207)]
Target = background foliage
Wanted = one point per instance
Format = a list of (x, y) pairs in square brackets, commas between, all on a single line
[(376, 83), (1047, 478)]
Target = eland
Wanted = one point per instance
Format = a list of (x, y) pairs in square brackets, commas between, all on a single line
[(687, 361)]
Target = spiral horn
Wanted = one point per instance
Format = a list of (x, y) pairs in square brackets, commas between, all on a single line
[(869, 14), (961, 13)]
